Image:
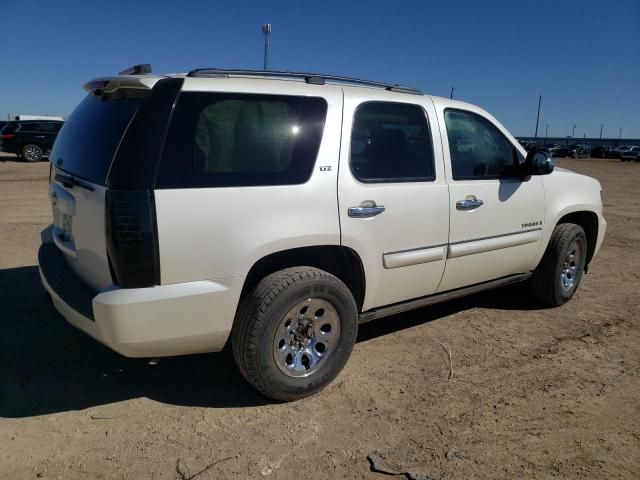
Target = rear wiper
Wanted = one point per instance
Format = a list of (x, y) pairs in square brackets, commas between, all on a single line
[(70, 182)]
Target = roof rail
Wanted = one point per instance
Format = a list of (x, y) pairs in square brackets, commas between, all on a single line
[(311, 78)]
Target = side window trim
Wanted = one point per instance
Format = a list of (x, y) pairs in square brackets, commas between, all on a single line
[(431, 178), (457, 178)]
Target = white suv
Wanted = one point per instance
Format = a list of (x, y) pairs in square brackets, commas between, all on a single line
[(275, 211)]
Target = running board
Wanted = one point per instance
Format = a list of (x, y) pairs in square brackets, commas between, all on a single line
[(440, 297)]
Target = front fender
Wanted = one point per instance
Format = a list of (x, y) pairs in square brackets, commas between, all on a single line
[(568, 193)]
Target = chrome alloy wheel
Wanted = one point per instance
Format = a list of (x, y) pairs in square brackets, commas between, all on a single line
[(32, 153), (306, 337), (571, 266)]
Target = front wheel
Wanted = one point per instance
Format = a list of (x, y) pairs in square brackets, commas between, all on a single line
[(32, 153), (294, 332), (558, 275)]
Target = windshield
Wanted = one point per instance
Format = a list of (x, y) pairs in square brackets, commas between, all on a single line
[(90, 138)]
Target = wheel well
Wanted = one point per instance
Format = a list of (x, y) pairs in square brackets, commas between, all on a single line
[(342, 262), (589, 223)]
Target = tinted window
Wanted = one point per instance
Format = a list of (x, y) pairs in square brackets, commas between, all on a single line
[(10, 127), (28, 127), (223, 140), (478, 149), (90, 137), (49, 126), (390, 142)]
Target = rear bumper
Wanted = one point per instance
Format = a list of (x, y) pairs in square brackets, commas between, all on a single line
[(159, 321)]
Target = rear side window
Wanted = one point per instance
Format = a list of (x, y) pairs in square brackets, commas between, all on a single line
[(87, 143), (230, 140), (390, 142), (28, 127), (49, 127), (478, 149)]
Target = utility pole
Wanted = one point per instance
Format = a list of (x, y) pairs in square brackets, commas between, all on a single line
[(619, 135), (535, 136), (601, 127), (451, 95), (546, 133), (266, 29), (573, 132)]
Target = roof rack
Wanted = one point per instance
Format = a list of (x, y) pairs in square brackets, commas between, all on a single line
[(311, 78)]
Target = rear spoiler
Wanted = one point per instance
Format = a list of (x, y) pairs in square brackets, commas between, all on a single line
[(101, 85)]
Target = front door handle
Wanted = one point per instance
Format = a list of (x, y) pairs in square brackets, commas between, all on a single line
[(469, 204), (365, 212)]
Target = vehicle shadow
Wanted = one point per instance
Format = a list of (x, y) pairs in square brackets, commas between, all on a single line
[(48, 366)]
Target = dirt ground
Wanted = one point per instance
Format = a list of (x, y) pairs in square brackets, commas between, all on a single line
[(535, 393)]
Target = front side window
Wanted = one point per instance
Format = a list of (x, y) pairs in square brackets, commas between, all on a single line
[(391, 142), (231, 140), (478, 149)]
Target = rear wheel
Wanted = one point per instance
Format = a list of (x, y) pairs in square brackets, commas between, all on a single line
[(557, 277), (294, 332), (32, 153)]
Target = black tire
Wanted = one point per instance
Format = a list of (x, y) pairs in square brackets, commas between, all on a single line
[(547, 282), (32, 153), (259, 320)]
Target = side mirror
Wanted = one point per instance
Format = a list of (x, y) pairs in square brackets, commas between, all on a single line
[(538, 163)]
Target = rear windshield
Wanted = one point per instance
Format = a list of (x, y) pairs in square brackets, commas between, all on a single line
[(10, 127), (87, 143), (231, 140)]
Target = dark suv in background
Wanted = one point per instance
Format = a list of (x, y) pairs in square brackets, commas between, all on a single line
[(29, 139), (575, 150)]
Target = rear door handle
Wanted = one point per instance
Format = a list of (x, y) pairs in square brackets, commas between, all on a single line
[(365, 212), (469, 204)]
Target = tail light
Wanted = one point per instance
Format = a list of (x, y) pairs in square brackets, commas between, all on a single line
[(132, 240), (5, 136)]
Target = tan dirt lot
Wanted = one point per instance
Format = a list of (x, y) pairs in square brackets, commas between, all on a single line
[(526, 399)]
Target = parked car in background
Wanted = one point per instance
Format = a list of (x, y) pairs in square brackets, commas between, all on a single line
[(28, 139), (632, 154), (575, 150), (618, 151), (528, 145), (602, 151), (552, 147)]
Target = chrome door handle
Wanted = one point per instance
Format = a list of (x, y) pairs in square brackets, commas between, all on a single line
[(469, 204), (365, 212)]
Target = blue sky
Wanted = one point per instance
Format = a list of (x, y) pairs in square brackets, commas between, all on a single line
[(583, 56)]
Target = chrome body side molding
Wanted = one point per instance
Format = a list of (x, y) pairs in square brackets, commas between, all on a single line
[(470, 247), (440, 297), (415, 256)]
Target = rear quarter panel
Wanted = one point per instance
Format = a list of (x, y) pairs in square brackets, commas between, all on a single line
[(218, 233)]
